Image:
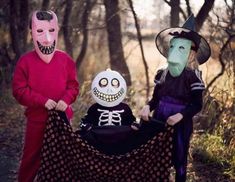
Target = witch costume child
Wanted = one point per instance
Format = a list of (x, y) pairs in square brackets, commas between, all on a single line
[(177, 95)]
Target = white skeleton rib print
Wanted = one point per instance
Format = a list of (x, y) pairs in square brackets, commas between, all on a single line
[(110, 117)]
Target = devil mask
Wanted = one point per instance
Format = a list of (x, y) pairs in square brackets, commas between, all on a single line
[(108, 88), (45, 34)]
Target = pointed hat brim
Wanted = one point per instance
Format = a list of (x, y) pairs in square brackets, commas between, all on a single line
[(163, 38)]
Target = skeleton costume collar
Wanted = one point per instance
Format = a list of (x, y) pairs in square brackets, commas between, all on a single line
[(45, 34)]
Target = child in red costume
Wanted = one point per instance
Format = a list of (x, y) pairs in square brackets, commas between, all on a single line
[(44, 79)]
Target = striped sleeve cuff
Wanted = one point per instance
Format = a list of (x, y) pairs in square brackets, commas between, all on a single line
[(197, 86)]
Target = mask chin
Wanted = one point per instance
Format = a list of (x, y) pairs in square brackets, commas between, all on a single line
[(175, 70)]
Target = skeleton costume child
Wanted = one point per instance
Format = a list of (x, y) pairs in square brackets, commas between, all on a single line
[(107, 148), (108, 90), (44, 75), (178, 89)]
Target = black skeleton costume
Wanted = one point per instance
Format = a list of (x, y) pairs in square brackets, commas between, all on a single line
[(108, 90), (110, 150)]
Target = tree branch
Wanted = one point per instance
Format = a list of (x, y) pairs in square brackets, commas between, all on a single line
[(221, 62), (203, 13)]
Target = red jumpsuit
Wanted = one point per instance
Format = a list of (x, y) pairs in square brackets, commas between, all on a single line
[(34, 82)]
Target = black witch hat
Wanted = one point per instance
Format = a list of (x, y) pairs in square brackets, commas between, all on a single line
[(187, 31)]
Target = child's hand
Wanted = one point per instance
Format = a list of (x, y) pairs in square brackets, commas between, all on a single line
[(61, 106), (144, 113), (136, 124), (172, 120), (50, 104)]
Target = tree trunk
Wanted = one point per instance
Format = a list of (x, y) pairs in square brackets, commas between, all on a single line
[(45, 5), (18, 26), (175, 10), (15, 38), (85, 17), (141, 46), (203, 13), (189, 11), (67, 29), (117, 60), (23, 24)]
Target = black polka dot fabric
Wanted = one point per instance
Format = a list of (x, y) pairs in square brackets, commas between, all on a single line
[(67, 157)]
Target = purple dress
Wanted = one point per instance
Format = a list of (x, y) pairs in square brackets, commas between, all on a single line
[(182, 94)]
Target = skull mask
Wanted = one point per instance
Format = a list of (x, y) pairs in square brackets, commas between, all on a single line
[(108, 88), (45, 34)]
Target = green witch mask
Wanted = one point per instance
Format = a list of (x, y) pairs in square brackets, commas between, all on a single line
[(178, 55)]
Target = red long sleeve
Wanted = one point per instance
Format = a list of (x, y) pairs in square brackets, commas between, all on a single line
[(72, 84), (21, 89), (34, 81)]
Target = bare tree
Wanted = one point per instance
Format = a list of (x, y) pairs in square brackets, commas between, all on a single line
[(117, 60), (45, 4), (221, 59), (23, 23), (67, 29), (175, 9), (141, 46), (5, 68), (203, 13), (87, 9), (226, 53), (189, 11), (19, 26), (200, 18)]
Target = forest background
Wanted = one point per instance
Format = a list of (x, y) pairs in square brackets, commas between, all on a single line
[(119, 34)]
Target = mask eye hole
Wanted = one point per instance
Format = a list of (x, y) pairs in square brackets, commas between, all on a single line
[(39, 30), (171, 46), (103, 82), (52, 30), (115, 83), (181, 47)]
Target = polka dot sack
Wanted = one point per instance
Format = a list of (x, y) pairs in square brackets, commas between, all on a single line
[(67, 156)]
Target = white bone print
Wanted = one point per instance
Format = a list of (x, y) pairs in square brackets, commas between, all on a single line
[(110, 117)]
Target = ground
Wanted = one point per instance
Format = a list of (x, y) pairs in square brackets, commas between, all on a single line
[(11, 133)]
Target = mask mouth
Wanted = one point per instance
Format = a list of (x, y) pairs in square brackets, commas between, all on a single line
[(172, 63), (108, 97), (46, 49)]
